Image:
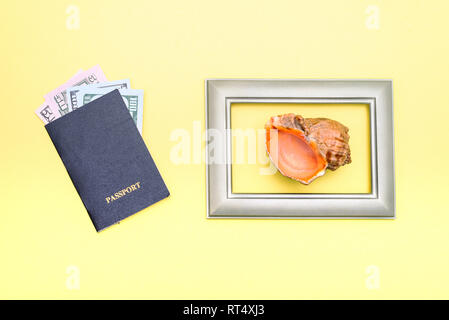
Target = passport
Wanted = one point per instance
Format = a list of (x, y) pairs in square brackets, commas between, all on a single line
[(107, 160)]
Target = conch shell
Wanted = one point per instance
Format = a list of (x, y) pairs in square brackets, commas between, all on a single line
[(303, 148)]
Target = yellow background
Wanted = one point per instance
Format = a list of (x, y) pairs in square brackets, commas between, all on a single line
[(250, 172), (171, 250)]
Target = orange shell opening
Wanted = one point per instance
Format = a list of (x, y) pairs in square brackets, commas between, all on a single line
[(294, 155)]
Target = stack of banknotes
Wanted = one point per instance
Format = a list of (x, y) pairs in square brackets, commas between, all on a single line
[(84, 87)]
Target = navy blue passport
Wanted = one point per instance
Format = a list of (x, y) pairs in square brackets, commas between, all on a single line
[(107, 160)]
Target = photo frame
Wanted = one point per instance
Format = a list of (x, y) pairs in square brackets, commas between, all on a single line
[(223, 203)]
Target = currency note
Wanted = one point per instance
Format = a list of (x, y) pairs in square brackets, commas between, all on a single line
[(71, 92), (57, 98), (133, 99), (46, 113)]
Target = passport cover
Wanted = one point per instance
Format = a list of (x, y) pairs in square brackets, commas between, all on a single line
[(107, 160)]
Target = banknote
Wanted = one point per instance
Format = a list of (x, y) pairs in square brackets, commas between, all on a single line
[(71, 92), (57, 98), (133, 99), (46, 113)]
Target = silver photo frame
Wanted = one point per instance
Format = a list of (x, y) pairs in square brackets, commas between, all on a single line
[(223, 203)]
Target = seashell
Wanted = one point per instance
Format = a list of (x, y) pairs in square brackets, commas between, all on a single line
[(293, 154), (302, 148)]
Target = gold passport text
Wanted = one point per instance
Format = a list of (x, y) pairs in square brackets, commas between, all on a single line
[(123, 192)]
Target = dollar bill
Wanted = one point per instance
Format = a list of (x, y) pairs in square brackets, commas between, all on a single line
[(133, 99), (57, 98), (46, 113), (71, 92)]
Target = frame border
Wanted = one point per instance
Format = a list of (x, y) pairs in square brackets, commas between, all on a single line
[(379, 204)]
